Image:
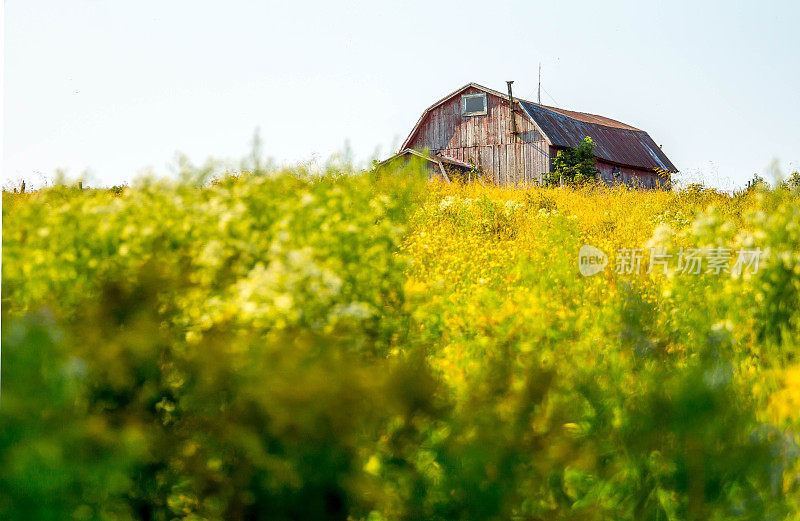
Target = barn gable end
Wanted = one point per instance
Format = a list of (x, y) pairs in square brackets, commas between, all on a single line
[(487, 141)]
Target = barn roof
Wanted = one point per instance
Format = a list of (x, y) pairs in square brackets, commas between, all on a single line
[(614, 141)]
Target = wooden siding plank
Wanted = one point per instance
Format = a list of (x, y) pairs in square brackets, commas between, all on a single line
[(451, 126), (435, 124)]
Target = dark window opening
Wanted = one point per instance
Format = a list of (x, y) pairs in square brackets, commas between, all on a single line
[(473, 104)]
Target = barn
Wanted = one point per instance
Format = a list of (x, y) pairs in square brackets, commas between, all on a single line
[(513, 141)]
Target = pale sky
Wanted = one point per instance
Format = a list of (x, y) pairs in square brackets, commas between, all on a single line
[(117, 87)]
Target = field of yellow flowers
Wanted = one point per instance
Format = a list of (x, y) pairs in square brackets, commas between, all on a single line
[(375, 347)]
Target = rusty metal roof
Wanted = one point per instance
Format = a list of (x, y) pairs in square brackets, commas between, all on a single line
[(614, 141)]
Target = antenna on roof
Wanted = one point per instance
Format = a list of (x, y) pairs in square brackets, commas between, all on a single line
[(539, 95)]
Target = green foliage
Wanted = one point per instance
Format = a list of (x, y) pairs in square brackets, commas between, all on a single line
[(755, 183), (536, 201), (576, 166), (792, 182), (239, 333), (370, 347), (475, 172), (646, 406), (696, 189)]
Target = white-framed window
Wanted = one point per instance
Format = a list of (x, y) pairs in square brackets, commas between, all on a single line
[(473, 104)]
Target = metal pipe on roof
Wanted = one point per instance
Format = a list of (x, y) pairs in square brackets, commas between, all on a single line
[(514, 131)]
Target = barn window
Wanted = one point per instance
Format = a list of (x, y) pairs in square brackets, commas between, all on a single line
[(473, 104)]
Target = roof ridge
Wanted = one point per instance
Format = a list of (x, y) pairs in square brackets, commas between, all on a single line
[(603, 120), (567, 112)]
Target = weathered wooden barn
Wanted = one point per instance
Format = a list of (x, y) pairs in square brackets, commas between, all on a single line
[(513, 141)]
